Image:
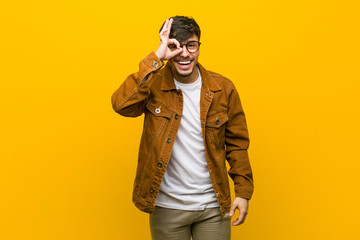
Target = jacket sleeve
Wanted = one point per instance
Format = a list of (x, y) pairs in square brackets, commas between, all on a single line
[(128, 99), (237, 143)]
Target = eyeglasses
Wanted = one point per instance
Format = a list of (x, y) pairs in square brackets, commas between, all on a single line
[(191, 46)]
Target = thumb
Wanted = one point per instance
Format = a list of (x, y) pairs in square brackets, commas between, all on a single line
[(232, 211)]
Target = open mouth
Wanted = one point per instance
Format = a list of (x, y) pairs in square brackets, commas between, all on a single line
[(184, 64)]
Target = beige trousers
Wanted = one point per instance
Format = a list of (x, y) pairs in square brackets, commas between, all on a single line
[(172, 224)]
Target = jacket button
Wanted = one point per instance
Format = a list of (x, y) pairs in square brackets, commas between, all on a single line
[(168, 140), (176, 116), (156, 64), (159, 164), (152, 190), (217, 122)]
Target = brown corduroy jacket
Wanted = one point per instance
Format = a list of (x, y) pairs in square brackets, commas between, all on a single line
[(151, 91)]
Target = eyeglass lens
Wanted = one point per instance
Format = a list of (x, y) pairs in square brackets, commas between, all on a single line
[(190, 46)]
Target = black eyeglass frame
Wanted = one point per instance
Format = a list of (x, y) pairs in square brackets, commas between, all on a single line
[(173, 46)]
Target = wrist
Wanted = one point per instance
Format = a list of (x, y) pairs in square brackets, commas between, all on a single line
[(159, 57)]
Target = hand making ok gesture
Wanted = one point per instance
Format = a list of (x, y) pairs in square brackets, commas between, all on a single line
[(164, 52)]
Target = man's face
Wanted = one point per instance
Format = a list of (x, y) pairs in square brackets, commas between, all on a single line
[(184, 64)]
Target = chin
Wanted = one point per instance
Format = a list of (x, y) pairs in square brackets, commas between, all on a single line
[(183, 73)]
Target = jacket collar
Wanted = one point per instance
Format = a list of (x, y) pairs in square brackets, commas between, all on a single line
[(207, 79)]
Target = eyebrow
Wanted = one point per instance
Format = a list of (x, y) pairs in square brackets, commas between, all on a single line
[(189, 42)]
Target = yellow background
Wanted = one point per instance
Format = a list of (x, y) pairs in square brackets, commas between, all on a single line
[(68, 160)]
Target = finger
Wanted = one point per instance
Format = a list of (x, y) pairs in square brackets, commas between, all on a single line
[(174, 41), (241, 216), (232, 210), (164, 28), (169, 27), (240, 219), (236, 222)]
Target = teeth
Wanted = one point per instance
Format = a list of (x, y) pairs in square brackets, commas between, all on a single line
[(187, 62)]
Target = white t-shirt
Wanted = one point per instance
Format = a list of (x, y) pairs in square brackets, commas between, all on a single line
[(186, 184)]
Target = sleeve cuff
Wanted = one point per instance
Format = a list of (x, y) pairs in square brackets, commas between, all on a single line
[(153, 61), (149, 64), (244, 192)]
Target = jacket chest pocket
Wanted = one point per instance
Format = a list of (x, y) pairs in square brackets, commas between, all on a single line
[(157, 117), (215, 128)]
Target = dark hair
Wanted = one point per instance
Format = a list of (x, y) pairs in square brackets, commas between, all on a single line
[(183, 27)]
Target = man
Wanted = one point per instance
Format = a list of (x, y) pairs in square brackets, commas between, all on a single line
[(193, 122)]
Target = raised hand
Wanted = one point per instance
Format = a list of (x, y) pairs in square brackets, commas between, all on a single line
[(164, 52)]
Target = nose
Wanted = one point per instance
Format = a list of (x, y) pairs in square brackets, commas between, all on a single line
[(184, 52)]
